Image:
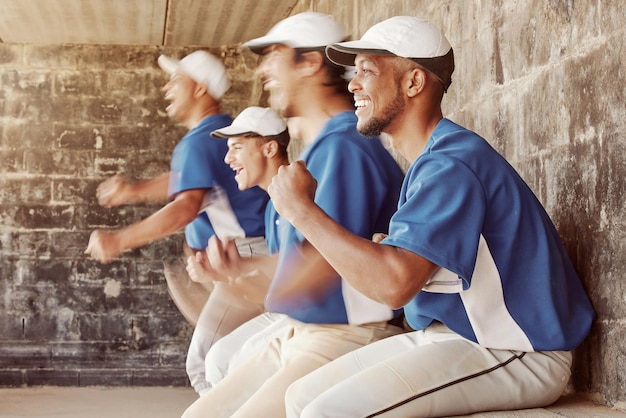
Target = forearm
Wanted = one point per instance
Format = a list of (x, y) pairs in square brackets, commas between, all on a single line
[(153, 190), (165, 222), (384, 273), (265, 265)]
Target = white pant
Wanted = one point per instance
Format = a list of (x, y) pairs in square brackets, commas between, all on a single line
[(430, 373), (223, 312), (241, 344), (256, 388)]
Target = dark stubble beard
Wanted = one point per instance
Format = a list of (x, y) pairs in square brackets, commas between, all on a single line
[(376, 125)]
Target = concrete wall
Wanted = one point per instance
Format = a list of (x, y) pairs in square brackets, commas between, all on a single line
[(541, 80)]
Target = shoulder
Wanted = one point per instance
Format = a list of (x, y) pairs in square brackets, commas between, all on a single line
[(340, 133)]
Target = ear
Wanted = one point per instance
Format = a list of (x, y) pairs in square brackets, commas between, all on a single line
[(270, 149), (313, 63), (200, 90), (415, 82)]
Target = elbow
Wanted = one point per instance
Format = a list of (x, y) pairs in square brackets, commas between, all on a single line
[(400, 290), (395, 295), (396, 299)]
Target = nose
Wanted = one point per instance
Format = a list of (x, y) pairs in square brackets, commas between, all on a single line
[(354, 84), (228, 158), (262, 68)]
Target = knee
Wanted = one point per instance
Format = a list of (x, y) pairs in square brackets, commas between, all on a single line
[(192, 412), (294, 400), (215, 363)]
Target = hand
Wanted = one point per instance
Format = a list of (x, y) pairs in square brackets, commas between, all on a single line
[(252, 286), (378, 237), (113, 192), (200, 270), (224, 257), (292, 190), (104, 246)]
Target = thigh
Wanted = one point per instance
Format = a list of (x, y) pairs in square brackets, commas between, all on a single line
[(225, 398), (243, 343), (188, 296), (441, 377), (223, 312), (305, 390), (310, 347)]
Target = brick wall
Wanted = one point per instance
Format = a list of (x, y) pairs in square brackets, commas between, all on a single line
[(72, 116)]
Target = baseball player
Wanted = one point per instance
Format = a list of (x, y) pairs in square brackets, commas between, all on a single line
[(202, 195), (493, 302), (358, 186), (257, 145)]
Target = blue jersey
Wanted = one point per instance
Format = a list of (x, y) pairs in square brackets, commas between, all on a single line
[(272, 220), (505, 279), (358, 184), (198, 163)]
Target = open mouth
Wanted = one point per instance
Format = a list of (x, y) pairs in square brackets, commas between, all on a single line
[(270, 84), (361, 103), (237, 171)]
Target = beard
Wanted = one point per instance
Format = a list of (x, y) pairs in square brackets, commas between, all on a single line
[(278, 101), (377, 124)]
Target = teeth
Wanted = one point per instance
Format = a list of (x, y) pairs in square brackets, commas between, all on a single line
[(361, 103), (270, 84)]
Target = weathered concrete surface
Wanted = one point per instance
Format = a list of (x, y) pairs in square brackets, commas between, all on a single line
[(95, 402)]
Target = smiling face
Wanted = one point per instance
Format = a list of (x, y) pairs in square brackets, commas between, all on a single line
[(179, 91), (378, 97), (246, 157), (278, 76)]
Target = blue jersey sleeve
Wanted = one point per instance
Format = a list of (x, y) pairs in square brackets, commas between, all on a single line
[(197, 163)]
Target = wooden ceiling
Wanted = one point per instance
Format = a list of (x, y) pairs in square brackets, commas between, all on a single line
[(210, 23)]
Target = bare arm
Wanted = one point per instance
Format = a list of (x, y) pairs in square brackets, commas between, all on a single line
[(390, 275), (107, 245), (118, 190)]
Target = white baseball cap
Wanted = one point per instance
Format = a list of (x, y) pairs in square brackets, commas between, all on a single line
[(203, 67), (304, 30), (402, 36), (253, 120)]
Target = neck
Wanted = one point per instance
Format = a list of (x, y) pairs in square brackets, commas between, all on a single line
[(317, 110), (200, 113), (273, 166), (410, 133)]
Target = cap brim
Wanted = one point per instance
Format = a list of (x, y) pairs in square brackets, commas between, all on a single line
[(259, 44), (344, 53), (167, 64), (231, 131)]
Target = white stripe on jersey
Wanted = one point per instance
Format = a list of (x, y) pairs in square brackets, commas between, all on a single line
[(361, 309), (484, 303)]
